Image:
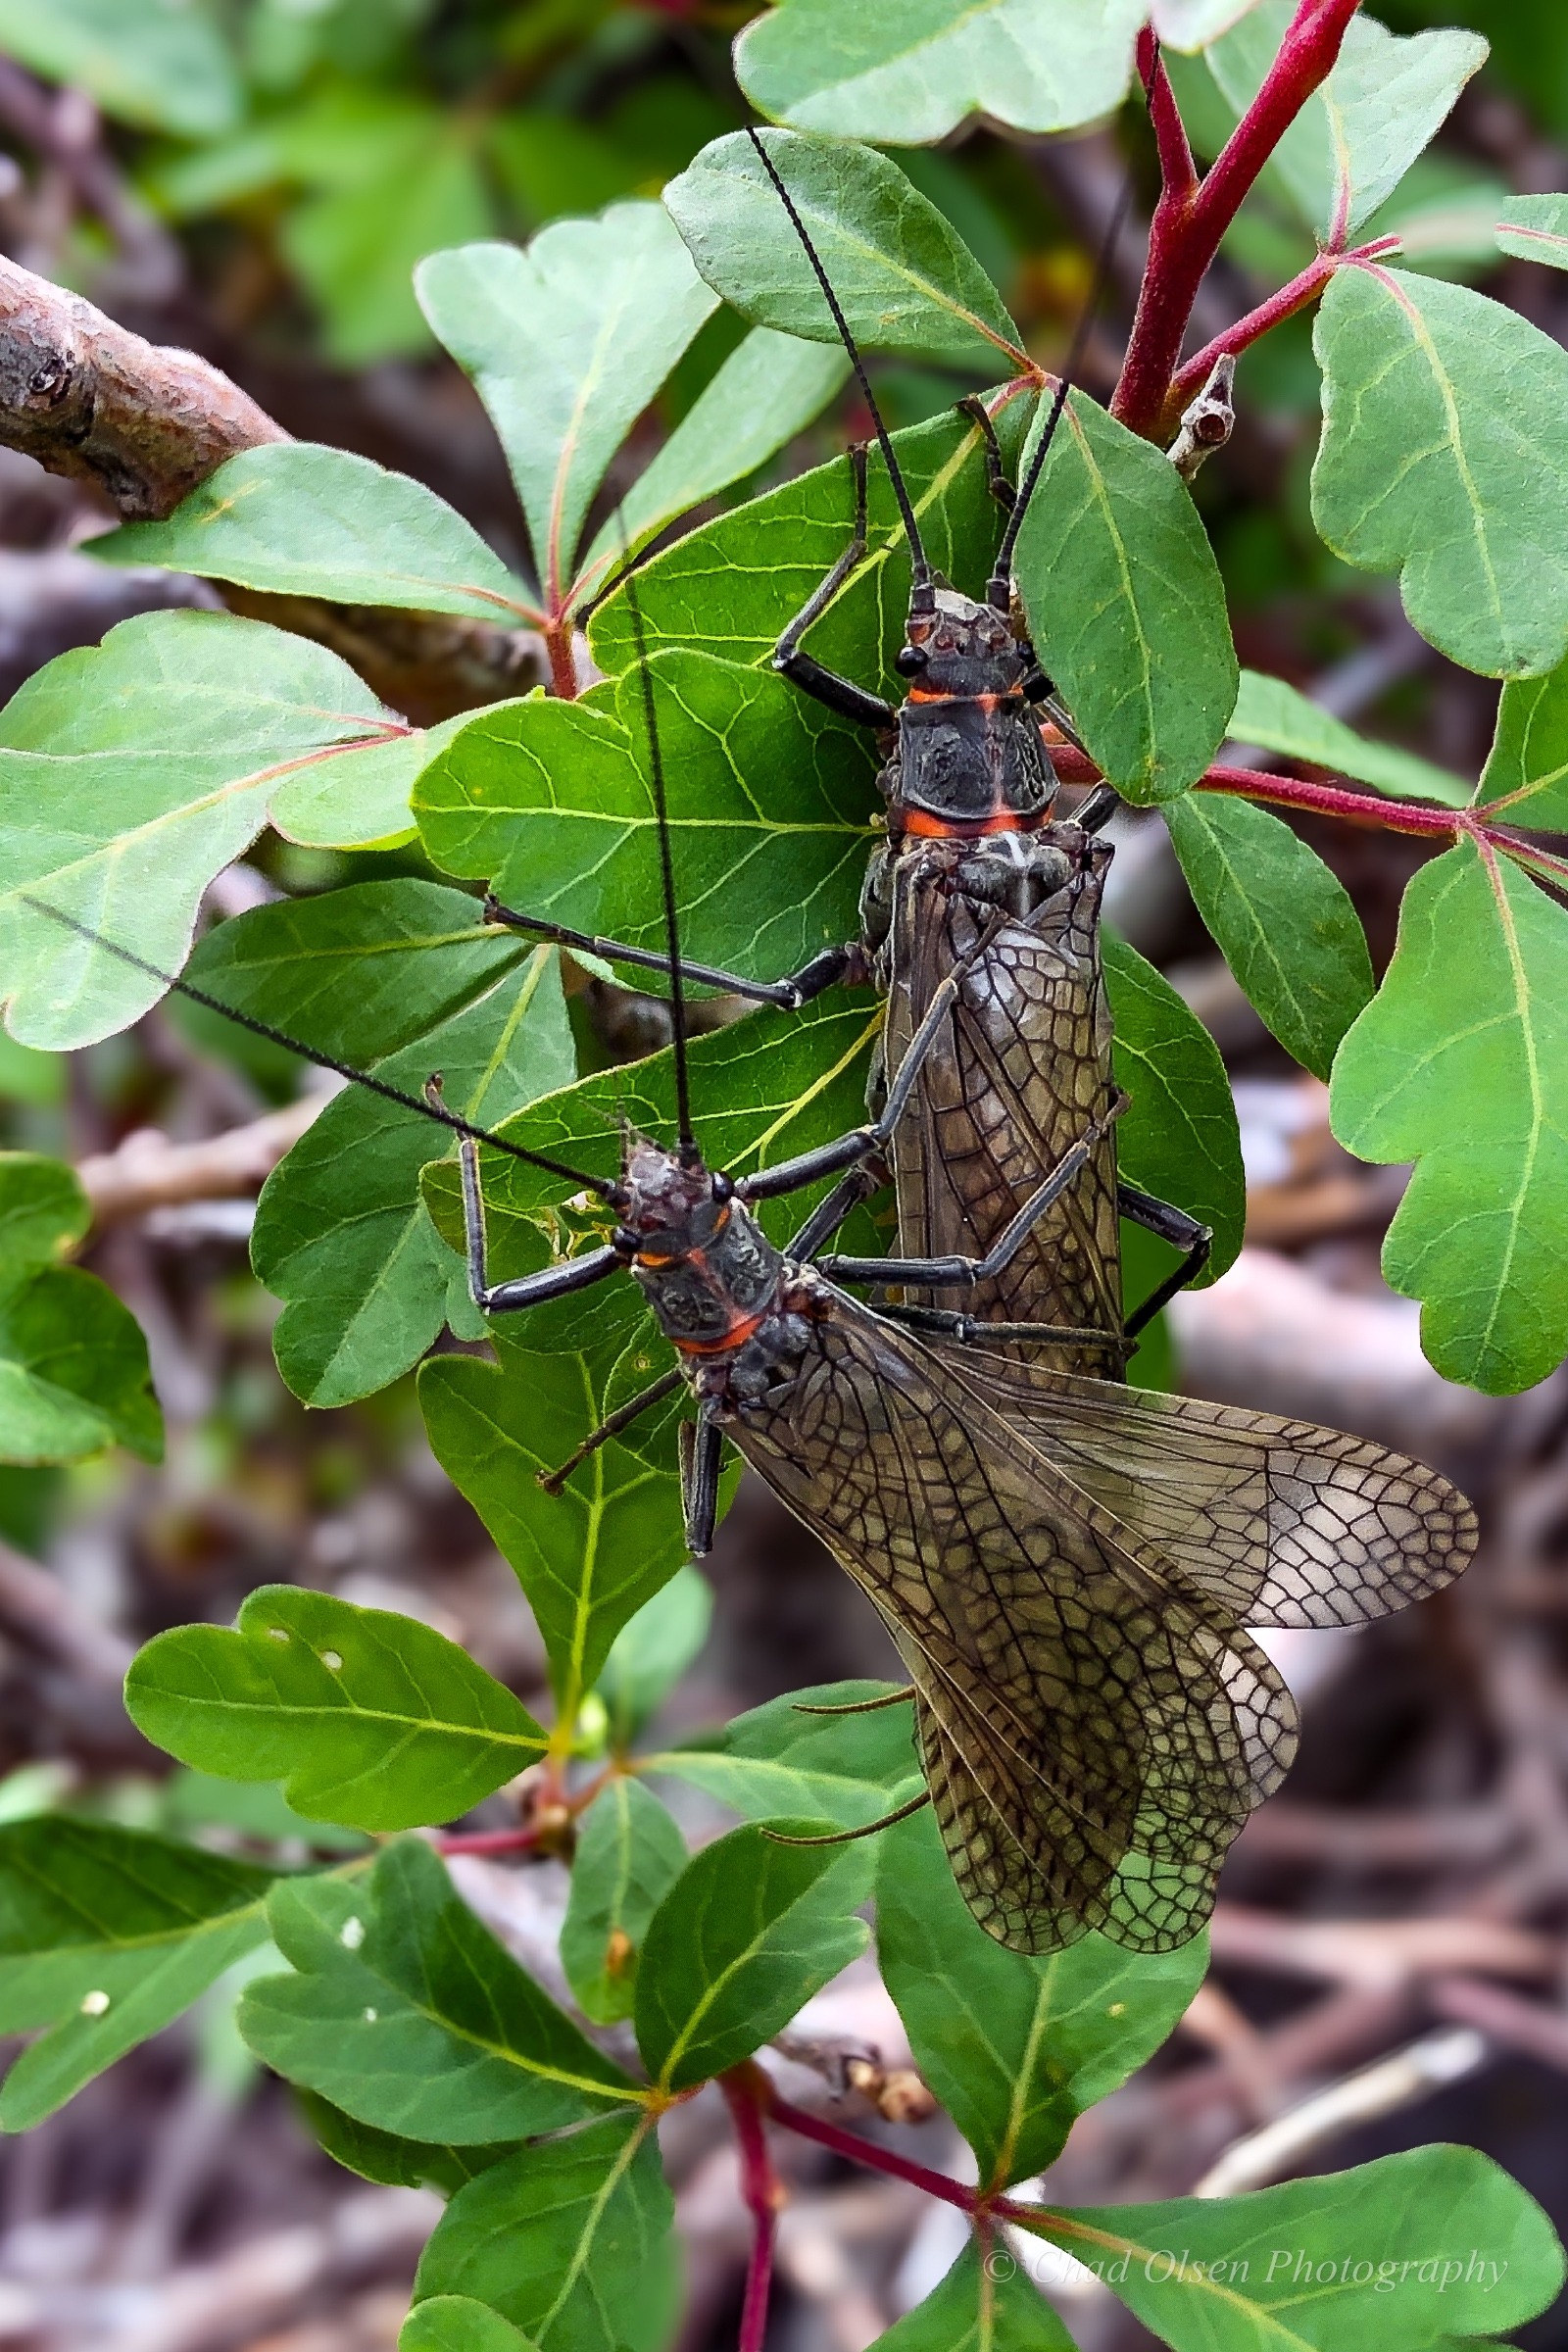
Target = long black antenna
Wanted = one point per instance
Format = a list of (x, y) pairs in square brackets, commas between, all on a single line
[(999, 588), (923, 595), (436, 1111), (689, 1153)]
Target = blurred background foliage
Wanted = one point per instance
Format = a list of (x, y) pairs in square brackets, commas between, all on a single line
[(254, 179)]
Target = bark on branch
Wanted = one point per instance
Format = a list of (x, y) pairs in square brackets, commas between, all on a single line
[(145, 425)]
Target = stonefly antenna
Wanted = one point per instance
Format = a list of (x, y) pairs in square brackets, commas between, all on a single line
[(428, 1109)]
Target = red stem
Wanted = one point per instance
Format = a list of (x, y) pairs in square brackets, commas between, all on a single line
[(1193, 373), (1190, 219), (748, 2092), (563, 660), (488, 1841), (869, 2152)]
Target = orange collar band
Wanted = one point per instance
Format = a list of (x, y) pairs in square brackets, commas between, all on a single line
[(736, 1337), (926, 827)]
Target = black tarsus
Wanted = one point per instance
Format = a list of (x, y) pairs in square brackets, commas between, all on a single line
[(923, 597), (428, 1109), (689, 1153), (998, 589)]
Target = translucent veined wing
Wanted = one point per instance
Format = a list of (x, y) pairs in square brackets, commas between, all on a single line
[(1020, 1069), (1091, 1718), (1280, 1522), (1030, 1904)]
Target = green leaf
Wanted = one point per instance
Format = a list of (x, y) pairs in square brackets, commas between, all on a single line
[(773, 552), (1383, 2258), (769, 805), (907, 74), (132, 772), (1534, 228), (570, 2241), (405, 2013), (629, 1855), (1444, 457), (1457, 1064), (399, 979), (903, 275), (1358, 134), (589, 1557), (302, 520), (355, 246), (1276, 719), (456, 2323), (106, 1934), (1126, 605), (43, 1212), (1014, 2048), (367, 1718), (769, 389), (74, 1374), (747, 1933), (74, 1371), (160, 64), (649, 1656), (778, 1759), (1180, 1140), (982, 2304), (1282, 920), (389, 2159), (1525, 776), (566, 344)]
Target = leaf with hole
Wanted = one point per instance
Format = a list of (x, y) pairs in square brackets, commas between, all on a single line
[(567, 343), (1445, 458), (1457, 1064), (1015, 2048), (367, 1718), (132, 772), (571, 2241), (629, 1855), (751, 1928), (299, 518), (1126, 605), (1283, 921), (901, 274), (405, 2013), (906, 75), (106, 1936)]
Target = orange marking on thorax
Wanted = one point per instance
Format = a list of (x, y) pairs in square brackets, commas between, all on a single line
[(926, 827), (739, 1332)]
